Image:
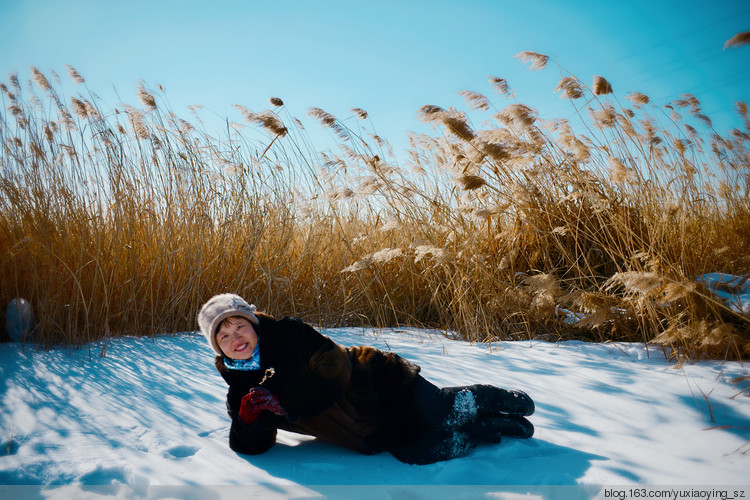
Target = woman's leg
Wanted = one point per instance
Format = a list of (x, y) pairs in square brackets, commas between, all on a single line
[(456, 419), (436, 445), (438, 435)]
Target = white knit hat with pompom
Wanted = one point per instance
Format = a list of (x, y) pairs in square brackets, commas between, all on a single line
[(217, 309)]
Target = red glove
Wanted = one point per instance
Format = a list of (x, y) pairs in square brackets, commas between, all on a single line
[(257, 400)]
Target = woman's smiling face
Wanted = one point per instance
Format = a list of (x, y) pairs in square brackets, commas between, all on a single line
[(237, 338)]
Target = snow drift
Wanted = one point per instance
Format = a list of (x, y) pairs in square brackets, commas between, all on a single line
[(146, 418), (151, 412)]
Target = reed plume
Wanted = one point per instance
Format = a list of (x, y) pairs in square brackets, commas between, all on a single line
[(738, 40), (475, 100), (455, 121), (601, 86), (360, 113), (534, 59), (40, 79), (501, 85), (518, 114), (471, 182), (637, 98), (569, 88), (269, 121), (146, 98), (79, 108), (327, 120), (74, 75)]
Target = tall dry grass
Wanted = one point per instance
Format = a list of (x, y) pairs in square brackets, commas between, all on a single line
[(122, 221)]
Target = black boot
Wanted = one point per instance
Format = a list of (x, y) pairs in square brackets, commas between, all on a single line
[(491, 399), (492, 428)]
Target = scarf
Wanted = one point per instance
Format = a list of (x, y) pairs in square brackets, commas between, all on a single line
[(244, 365)]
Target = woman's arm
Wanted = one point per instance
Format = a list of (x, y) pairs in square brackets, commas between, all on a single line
[(254, 438), (319, 375)]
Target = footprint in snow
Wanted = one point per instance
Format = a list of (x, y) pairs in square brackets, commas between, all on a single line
[(212, 432), (103, 476), (182, 451), (9, 448)]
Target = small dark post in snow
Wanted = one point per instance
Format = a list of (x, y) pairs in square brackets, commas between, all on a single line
[(19, 320)]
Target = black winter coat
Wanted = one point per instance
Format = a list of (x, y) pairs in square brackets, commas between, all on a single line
[(358, 397)]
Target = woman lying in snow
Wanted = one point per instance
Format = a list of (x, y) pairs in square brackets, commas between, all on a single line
[(283, 374)]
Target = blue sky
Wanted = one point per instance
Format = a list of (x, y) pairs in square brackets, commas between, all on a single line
[(388, 57)]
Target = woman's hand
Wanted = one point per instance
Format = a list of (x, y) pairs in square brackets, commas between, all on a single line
[(257, 400)]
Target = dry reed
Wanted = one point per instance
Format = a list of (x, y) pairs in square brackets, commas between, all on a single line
[(122, 222)]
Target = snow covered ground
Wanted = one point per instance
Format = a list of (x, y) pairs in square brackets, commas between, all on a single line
[(151, 414)]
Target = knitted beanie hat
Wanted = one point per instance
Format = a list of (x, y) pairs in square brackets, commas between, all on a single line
[(217, 309)]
